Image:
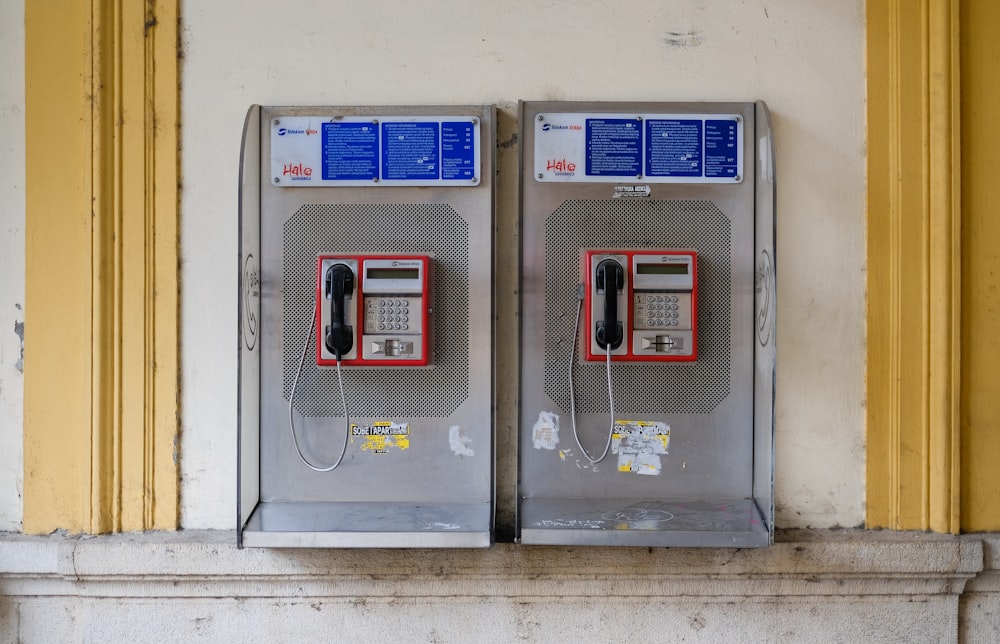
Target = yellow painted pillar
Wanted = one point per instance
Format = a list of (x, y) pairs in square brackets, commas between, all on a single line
[(934, 272), (100, 392), (980, 266), (914, 254)]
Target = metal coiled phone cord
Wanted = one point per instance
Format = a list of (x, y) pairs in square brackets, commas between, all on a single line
[(572, 394), (343, 401)]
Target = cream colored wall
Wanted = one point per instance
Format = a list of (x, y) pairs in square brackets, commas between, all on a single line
[(11, 261), (804, 58)]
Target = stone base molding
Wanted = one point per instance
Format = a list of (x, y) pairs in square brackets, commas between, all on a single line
[(826, 585)]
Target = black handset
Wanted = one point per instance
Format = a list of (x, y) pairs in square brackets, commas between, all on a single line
[(610, 279), (339, 283)]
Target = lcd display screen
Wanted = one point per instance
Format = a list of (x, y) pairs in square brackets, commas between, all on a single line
[(662, 269), (392, 273)]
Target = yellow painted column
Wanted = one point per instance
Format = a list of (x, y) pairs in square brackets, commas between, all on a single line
[(100, 392), (914, 254), (981, 265)]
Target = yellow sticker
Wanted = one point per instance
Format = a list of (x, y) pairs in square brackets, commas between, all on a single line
[(379, 437), (639, 444)]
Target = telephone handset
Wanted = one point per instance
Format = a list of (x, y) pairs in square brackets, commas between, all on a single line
[(609, 281), (338, 286), (643, 302), (373, 310)]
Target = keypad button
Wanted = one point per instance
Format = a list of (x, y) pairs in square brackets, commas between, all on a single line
[(406, 302), (405, 326)]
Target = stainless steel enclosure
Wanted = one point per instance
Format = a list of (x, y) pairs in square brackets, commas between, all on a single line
[(706, 426), (418, 466)]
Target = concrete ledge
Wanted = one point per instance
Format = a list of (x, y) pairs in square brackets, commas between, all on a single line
[(865, 586), (979, 608)]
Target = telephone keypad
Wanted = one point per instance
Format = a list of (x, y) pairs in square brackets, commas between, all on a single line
[(386, 315), (660, 310)]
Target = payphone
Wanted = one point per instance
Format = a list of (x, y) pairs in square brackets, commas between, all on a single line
[(642, 305), (366, 327), (647, 377), (373, 310)]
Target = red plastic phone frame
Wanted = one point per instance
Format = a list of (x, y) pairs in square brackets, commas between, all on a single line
[(629, 356), (359, 294)]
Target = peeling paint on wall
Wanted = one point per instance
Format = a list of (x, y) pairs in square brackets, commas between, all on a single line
[(509, 143), (19, 332), (684, 39)]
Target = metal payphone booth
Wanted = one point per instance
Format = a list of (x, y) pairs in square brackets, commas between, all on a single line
[(366, 325), (647, 371)]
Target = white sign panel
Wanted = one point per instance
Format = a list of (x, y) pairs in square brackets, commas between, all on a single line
[(375, 151), (651, 148)]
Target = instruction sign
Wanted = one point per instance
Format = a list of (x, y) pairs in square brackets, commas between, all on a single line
[(651, 148), (374, 151)]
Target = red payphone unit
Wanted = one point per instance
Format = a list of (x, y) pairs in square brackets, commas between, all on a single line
[(641, 305)]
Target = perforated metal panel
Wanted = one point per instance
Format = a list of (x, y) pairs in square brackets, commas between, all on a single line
[(640, 388), (403, 228)]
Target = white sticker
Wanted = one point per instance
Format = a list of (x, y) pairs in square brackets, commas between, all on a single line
[(459, 441), (545, 432), (631, 191), (638, 444)]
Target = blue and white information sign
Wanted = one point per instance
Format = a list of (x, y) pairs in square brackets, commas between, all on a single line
[(375, 151), (614, 147), (651, 148), (349, 152)]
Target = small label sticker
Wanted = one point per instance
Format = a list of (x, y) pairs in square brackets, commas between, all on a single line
[(638, 444), (379, 437), (631, 191)]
